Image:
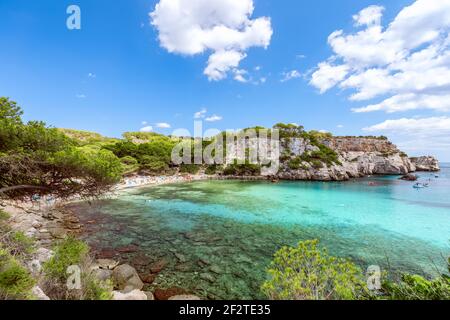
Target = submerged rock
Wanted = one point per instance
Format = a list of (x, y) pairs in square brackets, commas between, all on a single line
[(158, 266), (216, 269), (208, 277), (149, 279), (128, 249), (165, 294), (180, 257), (409, 177)]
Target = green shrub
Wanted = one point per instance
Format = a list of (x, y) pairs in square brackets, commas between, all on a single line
[(19, 244), (94, 289), (15, 281), (414, 287), (309, 273), (128, 160), (67, 253), (3, 215), (189, 168), (211, 170), (242, 170), (153, 164)]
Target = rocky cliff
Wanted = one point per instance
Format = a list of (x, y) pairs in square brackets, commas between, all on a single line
[(357, 157), (427, 163), (317, 156)]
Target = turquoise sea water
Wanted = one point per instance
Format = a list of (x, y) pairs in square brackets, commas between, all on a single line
[(218, 237)]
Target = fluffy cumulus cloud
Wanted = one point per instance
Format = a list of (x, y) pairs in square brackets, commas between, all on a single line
[(403, 66), (418, 135), (224, 28)]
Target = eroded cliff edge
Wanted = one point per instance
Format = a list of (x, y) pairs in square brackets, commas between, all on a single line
[(356, 157)]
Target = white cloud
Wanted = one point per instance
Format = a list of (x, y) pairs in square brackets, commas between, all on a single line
[(327, 76), (163, 125), (200, 114), (414, 125), (239, 75), (409, 101), (293, 74), (369, 16), (147, 129), (223, 27), (92, 75), (406, 64), (81, 96), (418, 136), (214, 118), (144, 123), (340, 126)]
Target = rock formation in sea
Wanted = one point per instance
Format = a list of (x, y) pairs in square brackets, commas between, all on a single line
[(355, 157), (426, 163)]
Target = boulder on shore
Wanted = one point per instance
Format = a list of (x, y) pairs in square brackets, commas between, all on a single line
[(126, 278), (39, 294), (127, 296)]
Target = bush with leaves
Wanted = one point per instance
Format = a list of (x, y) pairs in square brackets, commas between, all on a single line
[(16, 281), (72, 252), (310, 273), (37, 159), (415, 287), (189, 168)]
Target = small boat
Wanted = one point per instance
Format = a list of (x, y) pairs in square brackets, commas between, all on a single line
[(421, 186)]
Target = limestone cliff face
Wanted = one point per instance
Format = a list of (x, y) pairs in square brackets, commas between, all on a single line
[(426, 163), (358, 157)]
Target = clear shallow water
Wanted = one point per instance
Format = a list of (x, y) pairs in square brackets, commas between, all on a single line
[(218, 237)]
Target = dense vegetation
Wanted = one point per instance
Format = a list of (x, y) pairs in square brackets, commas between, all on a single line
[(308, 272), (17, 282), (35, 158), (72, 252)]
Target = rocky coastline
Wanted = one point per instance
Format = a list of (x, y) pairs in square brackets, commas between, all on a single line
[(358, 157)]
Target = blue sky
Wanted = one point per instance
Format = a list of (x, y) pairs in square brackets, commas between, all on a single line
[(114, 73)]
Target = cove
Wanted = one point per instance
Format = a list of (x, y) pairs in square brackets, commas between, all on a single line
[(217, 238)]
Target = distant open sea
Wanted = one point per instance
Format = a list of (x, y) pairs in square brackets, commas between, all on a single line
[(218, 237)]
